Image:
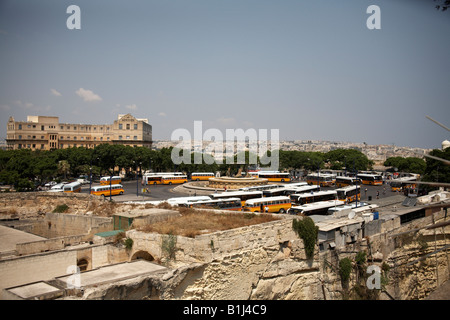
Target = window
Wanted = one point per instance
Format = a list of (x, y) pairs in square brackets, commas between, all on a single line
[(120, 126), (20, 127), (135, 138), (135, 126), (120, 137), (128, 126)]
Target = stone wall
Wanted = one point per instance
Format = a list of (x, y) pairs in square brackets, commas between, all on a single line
[(24, 205)]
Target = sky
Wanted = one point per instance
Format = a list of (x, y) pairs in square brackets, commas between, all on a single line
[(311, 69)]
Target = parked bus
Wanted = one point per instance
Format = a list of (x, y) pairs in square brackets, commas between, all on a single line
[(269, 204), (342, 181), (403, 183), (243, 195), (309, 197), (371, 179), (178, 179), (349, 194), (72, 187), (275, 176), (106, 191), (320, 207), (288, 190), (156, 177), (233, 204), (202, 176), (114, 180), (321, 179), (186, 200)]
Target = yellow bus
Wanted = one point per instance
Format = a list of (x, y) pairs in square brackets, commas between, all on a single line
[(349, 194), (106, 191), (115, 180), (243, 195), (403, 183), (268, 204), (320, 179), (273, 176), (156, 177), (202, 176), (72, 187), (342, 181), (371, 179), (178, 179)]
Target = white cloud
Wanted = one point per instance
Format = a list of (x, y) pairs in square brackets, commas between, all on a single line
[(162, 114), (131, 107), (55, 92), (88, 95)]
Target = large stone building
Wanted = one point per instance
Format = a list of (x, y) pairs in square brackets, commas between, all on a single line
[(45, 133)]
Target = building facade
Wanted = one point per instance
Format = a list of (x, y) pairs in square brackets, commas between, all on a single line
[(46, 133)]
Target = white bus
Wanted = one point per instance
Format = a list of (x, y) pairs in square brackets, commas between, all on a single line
[(233, 204), (274, 176), (72, 187), (309, 197), (349, 194), (186, 200), (243, 195)]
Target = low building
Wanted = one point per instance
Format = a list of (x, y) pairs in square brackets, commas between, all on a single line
[(46, 133)]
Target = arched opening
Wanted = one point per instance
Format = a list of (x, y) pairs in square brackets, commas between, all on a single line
[(142, 255), (82, 264)]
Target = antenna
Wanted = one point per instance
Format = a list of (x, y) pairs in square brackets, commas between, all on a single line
[(438, 123)]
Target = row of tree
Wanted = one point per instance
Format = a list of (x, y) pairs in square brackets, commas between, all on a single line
[(26, 168)]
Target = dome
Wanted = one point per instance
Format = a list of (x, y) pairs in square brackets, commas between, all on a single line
[(445, 144)]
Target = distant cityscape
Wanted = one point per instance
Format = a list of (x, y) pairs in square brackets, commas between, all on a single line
[(376, 153)]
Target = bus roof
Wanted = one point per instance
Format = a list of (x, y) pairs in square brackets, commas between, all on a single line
[(318, 193), (229, 194), (319, 205), (107, 177), (347, 188)]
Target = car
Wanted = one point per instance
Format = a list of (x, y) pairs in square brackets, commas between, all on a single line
[(50, 184)]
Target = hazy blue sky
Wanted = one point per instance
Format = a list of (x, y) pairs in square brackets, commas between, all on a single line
[(311, 69)]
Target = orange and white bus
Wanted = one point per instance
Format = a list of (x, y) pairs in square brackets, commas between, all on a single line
[(342, 181), (274, 176), (309, 197), (202, 176), (109, 190), (72, 187), (349, 193), (114, 180), (400, 184), (268, 204), (320, 179), (371, 179), (156, 177), (178, 179)]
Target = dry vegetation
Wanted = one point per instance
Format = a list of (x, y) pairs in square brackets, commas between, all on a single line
[(195, 222)]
